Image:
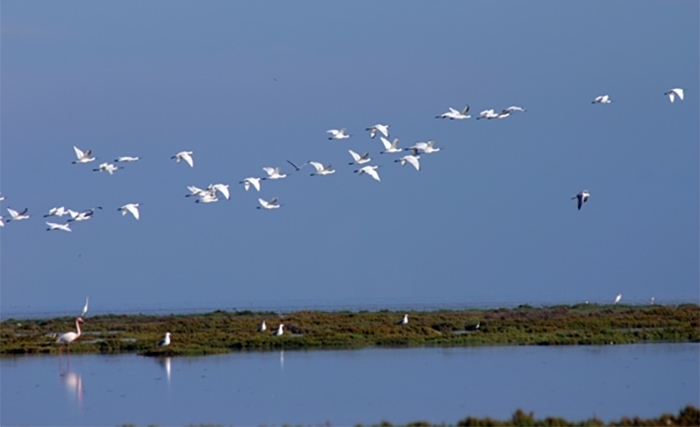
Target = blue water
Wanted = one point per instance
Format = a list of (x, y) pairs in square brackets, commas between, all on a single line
[(349, 387)]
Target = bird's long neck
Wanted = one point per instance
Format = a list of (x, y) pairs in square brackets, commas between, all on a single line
[(77, 326)]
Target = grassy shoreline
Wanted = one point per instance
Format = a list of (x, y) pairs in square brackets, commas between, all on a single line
[(223, 332)]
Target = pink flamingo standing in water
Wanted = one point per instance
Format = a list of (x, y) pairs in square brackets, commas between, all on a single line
[(69, 337)]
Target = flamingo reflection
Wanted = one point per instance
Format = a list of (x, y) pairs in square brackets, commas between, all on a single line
[(74, 385)]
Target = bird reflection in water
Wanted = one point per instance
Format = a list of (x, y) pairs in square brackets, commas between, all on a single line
[(74, 385), (165, 363), (282, 360)]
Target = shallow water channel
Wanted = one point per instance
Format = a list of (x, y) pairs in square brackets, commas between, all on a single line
[(349, 387)]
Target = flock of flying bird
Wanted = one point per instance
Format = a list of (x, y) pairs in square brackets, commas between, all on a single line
[(211, 193)]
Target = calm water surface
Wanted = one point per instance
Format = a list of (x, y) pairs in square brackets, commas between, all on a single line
[(348, 387)]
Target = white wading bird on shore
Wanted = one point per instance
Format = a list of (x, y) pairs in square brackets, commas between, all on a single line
[(673, 93), (390, 147), (132, 208), (425, 147), (357, 159), (17, 216), (83, 157), (273, 173), (272, 204), (255, 182), (383, 129), (186, 156), (403, 321), (165, 341), (322, 170), (126, 159), (582, 198), (107, 167), (338, 134), (413, 160), (453, 114), (369, 170), (602, 99), (54, 226), (56, 212)]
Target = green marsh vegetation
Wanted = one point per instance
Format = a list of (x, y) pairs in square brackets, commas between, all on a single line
[(224, 331)]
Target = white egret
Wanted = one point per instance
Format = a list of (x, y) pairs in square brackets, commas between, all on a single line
[(255, 182), (602, 99), (17, 216), (390, 147), (673, 93), (357, 159), (132, 208), (338, 134), (453, 114), (369, 170), (413, 160), (83, 157), (272, 204), (582, 198), (54, 226), (85, 307), (186, 156), (322, 170), (383, 129)]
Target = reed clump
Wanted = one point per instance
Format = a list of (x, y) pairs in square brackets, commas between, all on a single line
[(224, 331)]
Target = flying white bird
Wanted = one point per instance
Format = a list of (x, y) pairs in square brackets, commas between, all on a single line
[(194, 191), (17, 216), (2, 222), (263, 327), (453, 114), (673, 93), (165, 341), (514, 108), (403, 321), (426, 147), (57, 212), (255, 182), (82, 216), (383, 129), (127, 159), (357, 159), (369, 170), (221, 188), (273, 173), (487, 114), (207, 197), (322, 170), (2, 197), (279, 331), (272, 204), (582, 198), (338, 134), (132, 208), (186, 156), (390, 147), (618, 298), (85, 307), (602, 99), (413, 160), (69, 337), (83, 157), (108, 167), (54, 226)]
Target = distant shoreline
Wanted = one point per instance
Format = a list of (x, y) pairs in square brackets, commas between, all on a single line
[(230, 331)]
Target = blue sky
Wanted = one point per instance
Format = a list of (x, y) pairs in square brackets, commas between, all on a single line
[(245, 85)]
